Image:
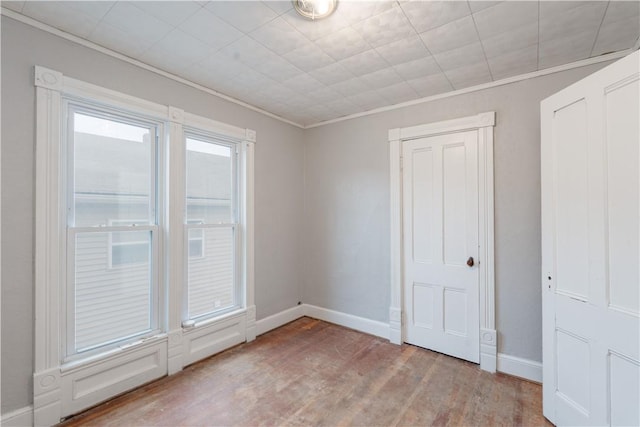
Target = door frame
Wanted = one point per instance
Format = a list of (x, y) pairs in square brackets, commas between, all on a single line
[(484, 124)]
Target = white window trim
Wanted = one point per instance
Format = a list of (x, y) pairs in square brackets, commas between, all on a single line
[(484, 124), (63, 389)]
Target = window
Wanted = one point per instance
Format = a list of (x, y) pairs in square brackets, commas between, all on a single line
[(211, 220), (112, 286), (144, 222)]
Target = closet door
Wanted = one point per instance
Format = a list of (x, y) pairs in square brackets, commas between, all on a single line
[(590, 249)]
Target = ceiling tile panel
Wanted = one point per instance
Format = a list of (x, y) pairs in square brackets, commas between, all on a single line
[(368, 100), (403, 50), (365, 62), (418, 68), (385, 77), (514, 63), (342, 106), (332, 73), (566, 49), (455, 34), (135, 22), (222, 67), (279, 36), (351, 86), (79, 18), (247, 51), (477, 5), (400, 92), (207, 27), (430, 85), (278, 68), (615, 36), (171, 12), (309, 57), (177, 47), (118, 40), (302, 83), (244, 15), (16, 6), (563, 23), (426, 15), (385, 28), (278, 92), (553, 8), (342, 44), (469, 75), (323, 94), (620, 28), (512, 40), (253, 81), (279, 6), (505, 17), (621, 10), (456, 58), (356, 11)]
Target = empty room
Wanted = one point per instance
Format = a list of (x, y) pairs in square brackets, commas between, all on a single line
[(320, 213)]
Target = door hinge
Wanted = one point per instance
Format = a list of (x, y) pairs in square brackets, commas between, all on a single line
[(401, 163)]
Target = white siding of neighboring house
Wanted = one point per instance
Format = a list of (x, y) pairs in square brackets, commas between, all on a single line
[(108, 299)]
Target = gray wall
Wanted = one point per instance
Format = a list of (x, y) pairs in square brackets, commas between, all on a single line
[(347, 206), (279, 183)]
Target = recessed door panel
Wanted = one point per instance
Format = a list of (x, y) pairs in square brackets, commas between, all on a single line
[(425, 303), (422, 183), (454, 194), (623, 153), (573, 370), (625, 393), (455, 312), (572, 192)]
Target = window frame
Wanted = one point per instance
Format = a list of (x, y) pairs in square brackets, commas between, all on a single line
[(154, 224), (210, 137), (108, 373)]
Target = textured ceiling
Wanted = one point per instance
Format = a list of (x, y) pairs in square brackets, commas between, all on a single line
[(367, 55)]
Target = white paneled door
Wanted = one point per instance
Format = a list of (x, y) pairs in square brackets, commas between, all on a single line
[(440, 208), (591, 249)]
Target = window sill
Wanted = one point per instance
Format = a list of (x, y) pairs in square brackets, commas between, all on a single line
[(96, 359), (213, 320)]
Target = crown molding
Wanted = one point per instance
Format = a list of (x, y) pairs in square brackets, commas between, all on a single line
[(86, 43)]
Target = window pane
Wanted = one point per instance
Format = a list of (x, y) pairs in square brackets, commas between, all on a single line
[(209, 182), (210, 278), (112, 171), (112, 302)]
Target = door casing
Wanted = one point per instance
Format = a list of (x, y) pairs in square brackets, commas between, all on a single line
[(484, 124)]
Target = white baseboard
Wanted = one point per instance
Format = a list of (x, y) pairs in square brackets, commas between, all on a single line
[(22, 417), (368, 326), (276, 320), (523, 368)]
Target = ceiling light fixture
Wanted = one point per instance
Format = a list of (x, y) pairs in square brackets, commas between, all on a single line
[(315, 9)]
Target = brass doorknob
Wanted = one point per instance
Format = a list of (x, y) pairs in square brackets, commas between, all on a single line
[(470, 261)]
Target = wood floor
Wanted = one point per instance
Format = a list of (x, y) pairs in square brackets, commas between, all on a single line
[(311, 372)]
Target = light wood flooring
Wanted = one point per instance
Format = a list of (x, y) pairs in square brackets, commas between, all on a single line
[(313, 373)]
